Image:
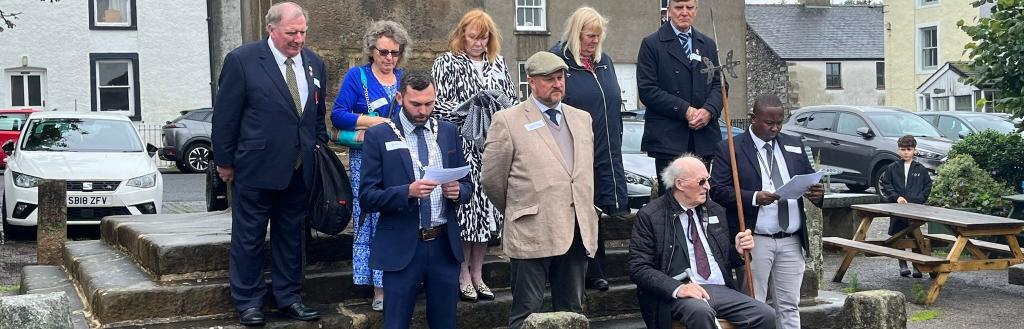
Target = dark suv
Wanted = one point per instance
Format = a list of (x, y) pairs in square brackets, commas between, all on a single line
[(860, 141), (187, 140)]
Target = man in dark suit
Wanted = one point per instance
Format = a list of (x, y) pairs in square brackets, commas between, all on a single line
[(673, 237), (682, 107), (268, 116), (765, 161), (417, 240)]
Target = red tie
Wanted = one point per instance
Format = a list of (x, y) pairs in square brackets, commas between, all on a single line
[(703, 267)]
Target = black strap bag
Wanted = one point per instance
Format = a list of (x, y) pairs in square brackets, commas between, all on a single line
[(330, 199)]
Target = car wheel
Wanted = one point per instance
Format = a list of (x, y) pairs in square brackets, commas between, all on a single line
[(855, 188), (196, 158), (876, 179)]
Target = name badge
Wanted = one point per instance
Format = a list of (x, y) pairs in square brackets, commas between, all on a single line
[(396, 145), (380, 102), (792, 149), (316, 82), (695, 57), (534, 125), (713, 220)]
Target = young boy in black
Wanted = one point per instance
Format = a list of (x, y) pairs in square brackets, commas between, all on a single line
[(905, 181)]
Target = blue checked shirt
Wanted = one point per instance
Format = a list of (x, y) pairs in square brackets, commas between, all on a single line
[(436, 196)]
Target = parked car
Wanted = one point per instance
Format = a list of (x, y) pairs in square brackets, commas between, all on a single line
[(187, 140), (957, 125), (11, 121), (107, 167), (640, 172), (859, 142)]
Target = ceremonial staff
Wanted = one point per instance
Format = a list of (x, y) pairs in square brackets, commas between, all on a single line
[(728, 66)]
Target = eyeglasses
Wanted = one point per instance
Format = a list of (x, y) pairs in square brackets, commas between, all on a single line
[(384, 53)]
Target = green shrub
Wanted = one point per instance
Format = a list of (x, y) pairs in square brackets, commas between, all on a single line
[(962, 184), (1002, 155)]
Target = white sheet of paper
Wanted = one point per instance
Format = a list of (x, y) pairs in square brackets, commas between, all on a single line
[(796, 186), (445, 175)]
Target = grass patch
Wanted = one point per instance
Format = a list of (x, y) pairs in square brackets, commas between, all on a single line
[(924, 315), (9, 288), (854, 285), (919, 294)]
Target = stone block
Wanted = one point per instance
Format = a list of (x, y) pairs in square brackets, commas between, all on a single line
[(616, 228), (838, 218), (874, 309), (42, 279), (1015, 275), (556, 320), (43, 311)]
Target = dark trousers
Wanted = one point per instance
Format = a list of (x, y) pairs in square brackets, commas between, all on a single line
[(252, 208), (737, 308), (661, 163), (434, 266), (598, 265), (564, 272)]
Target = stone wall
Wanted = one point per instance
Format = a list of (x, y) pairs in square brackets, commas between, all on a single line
[(766, 72)]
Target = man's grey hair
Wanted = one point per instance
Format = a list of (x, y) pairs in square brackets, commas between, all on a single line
[(675, 170), (389, 29), (284, 10)]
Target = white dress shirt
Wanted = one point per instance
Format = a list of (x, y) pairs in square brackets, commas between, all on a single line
[(300, 73), (768, 215), (716, 272)]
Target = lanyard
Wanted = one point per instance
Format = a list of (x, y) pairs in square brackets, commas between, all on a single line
[(416, 162), (765, 164)]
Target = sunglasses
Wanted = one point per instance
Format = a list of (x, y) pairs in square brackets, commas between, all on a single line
[(385, 53), (701, 182)]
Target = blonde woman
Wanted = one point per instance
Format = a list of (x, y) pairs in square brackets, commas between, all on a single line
[(473, 66)]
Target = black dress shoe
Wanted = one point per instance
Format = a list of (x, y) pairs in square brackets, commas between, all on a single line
[(251, 317), (300, 312), (598, 284)]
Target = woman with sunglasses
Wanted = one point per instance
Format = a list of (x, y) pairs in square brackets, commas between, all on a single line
[(366, 99), (470, 69)]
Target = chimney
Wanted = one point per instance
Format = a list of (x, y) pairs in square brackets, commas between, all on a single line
[(816, 3)]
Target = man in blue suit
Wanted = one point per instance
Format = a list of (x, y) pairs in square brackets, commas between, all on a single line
[(417, 239), (683, 106), (767, 159), (268, 116)]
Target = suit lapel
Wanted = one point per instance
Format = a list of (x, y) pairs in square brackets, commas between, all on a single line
[(273, 71), (574, 125), (407, 155), (746, 150), (533, 115), (673, 47), (311, 90)]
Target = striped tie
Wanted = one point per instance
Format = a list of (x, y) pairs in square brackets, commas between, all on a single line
[(685, 39)]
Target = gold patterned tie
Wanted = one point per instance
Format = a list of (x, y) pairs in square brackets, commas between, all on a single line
[(293, 85)]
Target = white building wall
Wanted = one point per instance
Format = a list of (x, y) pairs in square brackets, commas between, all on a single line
[(171, 41), (807, 84), (626, 74)]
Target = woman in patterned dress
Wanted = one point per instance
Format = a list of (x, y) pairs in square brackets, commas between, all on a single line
[(366, 98), (472, 65)]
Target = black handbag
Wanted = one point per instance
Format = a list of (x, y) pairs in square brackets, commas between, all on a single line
[(330, 199)]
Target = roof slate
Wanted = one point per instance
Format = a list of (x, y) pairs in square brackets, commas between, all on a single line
[(836, 32)]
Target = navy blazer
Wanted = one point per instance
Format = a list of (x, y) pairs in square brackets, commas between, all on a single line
[(916, 190), (384, 188), (669, 83), (256, 128), (749, 170)]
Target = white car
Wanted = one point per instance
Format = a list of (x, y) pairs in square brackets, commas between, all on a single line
[(107, 168)]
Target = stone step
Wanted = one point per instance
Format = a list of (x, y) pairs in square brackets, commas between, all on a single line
[(620, 299), (166, 246), (42, 279)]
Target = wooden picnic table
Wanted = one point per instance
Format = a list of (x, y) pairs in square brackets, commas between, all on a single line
[(965, 227)]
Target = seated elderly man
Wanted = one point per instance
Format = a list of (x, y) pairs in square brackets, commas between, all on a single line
[(680, 255)]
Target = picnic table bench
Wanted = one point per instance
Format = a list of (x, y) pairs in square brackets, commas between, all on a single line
[(964, 225)]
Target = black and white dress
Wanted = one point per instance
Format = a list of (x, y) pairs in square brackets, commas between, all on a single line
[(458, 79)]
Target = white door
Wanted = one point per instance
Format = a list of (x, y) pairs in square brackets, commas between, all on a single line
[(28, 88)]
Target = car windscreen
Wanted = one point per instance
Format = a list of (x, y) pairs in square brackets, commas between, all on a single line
[(81, 135), (982, 123), (897, 124), (12, 121), (632, 134)]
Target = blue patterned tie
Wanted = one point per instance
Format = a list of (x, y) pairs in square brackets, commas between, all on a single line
[(424, 154), (685, 39), (552, 115)]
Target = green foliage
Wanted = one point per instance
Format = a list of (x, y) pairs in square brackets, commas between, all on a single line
[(924, 315), (998, 154), (997, 50), (854, 285), (9, 288), (962, 184), (920, 295)]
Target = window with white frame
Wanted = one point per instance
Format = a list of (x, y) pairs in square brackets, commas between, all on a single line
[(925, 3), (112, 15), (928, 47), (524, 86), (530, 15), (28, 87), (115, 84), (664, 11)]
